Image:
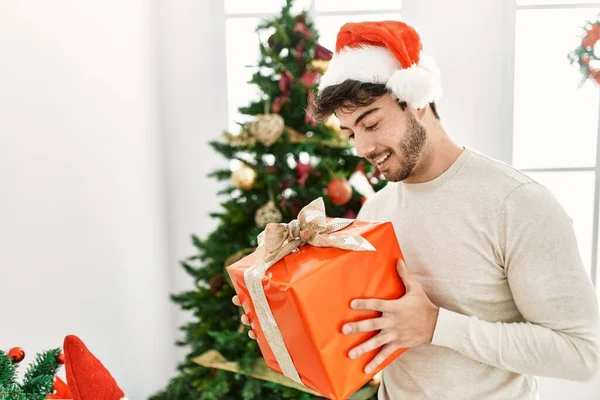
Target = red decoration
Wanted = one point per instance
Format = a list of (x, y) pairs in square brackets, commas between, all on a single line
[(285, 81), (363, 200), (86, 375), (61, 390), (301, 28), (339, 191), (349, 214), (302, 173), (309, 79), (322, 53), (279, 101), (61, 359), (592, 35), (216, 283), (16, 355)]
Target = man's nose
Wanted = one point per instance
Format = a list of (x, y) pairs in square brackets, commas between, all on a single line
[(363, 145)]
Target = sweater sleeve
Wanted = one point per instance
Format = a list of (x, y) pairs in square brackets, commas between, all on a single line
[(559, 335)]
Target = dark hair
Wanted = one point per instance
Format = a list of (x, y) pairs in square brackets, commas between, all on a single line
[(352, 94)]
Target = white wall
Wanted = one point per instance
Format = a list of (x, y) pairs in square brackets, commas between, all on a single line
[(83, 230), (191, 48), (470, 41), (467, 38)]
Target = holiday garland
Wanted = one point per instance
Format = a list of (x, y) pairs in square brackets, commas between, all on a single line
[(584, 56)]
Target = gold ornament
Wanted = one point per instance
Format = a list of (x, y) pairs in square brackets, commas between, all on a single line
[(243, 139), (267, 128), (267, 214), (244, 177), (320, 65)]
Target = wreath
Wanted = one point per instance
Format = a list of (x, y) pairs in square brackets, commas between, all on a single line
[(585, 56)]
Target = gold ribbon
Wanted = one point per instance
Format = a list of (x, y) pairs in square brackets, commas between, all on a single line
[(276, 242)]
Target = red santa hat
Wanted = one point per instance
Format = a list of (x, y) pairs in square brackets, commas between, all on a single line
[(87, 378), (386, 52)]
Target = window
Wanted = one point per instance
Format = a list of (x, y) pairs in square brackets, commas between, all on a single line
[(555, 121), (242, 51)]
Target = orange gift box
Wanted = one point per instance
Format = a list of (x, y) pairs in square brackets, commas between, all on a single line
[(309, 292)]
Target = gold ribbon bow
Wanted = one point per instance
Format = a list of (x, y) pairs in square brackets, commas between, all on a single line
[(276, 242)]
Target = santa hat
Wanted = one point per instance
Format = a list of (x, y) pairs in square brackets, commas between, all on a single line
[(87, 378), (386, 52)]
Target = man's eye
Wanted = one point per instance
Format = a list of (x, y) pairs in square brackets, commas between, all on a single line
[(351, 136), (372, 127)]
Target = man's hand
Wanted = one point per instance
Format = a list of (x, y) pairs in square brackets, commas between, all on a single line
[(245, 320), (405, 322)]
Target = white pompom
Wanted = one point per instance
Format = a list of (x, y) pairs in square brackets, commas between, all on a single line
[(414, 85)]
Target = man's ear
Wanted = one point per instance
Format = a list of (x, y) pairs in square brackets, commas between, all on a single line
[(420, 113)]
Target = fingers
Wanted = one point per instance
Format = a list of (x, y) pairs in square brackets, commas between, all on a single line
[(368, 325), (375, 342), (387, 351), (245, 320), (404, 274), (372, 304)]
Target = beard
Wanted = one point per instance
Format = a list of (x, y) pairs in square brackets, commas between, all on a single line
[(410, 149)]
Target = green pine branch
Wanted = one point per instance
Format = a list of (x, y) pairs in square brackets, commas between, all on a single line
[(8, 372), (40, 373), (12, 392)]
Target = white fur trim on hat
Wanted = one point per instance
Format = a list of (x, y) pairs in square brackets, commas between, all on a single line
[(418, 85)]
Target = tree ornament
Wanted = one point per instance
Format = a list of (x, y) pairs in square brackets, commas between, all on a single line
[(585, 56), (267, 128), (322, 53), (309, 79), (216, 283), (302, 173), (339, 191), (243, 139), (16, 355), (319, 65), (61, 359), (269, 213), (244, 177)]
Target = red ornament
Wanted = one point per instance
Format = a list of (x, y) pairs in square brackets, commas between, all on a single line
[(339, 191), (309, 79), (16, 355), (301, 28), (349, 214), (61, 359), (279, 101), (300, 53), (286, 81), (302, 173)]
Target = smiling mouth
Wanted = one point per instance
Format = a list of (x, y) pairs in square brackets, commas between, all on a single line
[(382, 159)]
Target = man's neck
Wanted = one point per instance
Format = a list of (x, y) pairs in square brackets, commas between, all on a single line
[(436, 158)]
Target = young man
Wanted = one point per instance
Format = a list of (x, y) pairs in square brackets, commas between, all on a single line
[(496, 290)]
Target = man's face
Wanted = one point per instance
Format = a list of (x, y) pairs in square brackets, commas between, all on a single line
[(390, 138)]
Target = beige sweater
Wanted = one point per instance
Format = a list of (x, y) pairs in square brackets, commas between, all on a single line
[(497, 253)]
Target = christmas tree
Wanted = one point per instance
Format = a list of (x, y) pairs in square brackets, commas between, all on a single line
[(38, 381), (285, 160)]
